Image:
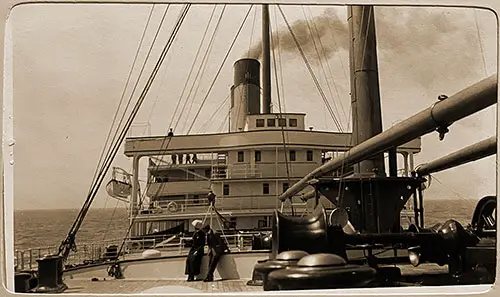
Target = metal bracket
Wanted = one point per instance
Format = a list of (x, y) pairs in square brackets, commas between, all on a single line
[(442, 128)]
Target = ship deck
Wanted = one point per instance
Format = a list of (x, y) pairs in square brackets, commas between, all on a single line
[(130, 286), (117, 286)]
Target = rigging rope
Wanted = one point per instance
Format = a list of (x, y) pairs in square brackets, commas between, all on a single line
[(201, 70), (174, 32), (287, 165), (192, 66), (320, 58), (110, 220), (278, 42), (309, 68), (139, 76), (221, 127), (215, 78), (329, 69), (164, 145), (471, 202), (480, 42), (206, 124), (120, 104), (123, 93), (141, 201), (69, 244), (220, 69), (163, 80)]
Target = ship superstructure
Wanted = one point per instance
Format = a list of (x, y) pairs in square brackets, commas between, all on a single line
[(265, 155), (247, 167)]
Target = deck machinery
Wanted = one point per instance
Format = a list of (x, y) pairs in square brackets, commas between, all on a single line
[(370, 203)]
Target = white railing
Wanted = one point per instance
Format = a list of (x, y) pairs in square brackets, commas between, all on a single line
[(26, 259), (96, 252), (222, 204), (243, 171)]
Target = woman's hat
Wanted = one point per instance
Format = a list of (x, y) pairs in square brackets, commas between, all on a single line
[(197, 224)]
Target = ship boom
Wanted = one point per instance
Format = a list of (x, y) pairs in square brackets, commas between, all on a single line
[(468, 154), (440, 115)]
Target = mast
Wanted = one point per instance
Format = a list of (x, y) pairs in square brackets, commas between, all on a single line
[(462, 104), (374, 201), (266, 61), (365, 94)]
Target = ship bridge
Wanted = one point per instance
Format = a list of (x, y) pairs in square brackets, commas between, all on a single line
[(222, 142), (248, 167), (247, 170)]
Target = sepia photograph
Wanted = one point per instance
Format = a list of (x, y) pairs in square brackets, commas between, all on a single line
[(251, 148)]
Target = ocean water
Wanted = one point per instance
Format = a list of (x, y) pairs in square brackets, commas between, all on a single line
[(43, 228)]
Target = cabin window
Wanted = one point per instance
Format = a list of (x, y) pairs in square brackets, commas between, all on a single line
[(292, 122), (258, 156), (309, 155), (292, 156), (259, 123), (285, 186), (241, 157), (265, 189), (207, 173), (271, 122), (262, 224), (225, 190), (282, 122)]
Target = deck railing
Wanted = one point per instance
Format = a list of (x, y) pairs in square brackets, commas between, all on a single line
[(201, 204), (88, 253)]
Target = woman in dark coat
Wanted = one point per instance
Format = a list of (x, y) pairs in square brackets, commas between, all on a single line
[(195, 255), (217, 247)]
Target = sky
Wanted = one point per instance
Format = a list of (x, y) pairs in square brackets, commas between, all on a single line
[(71, 64)]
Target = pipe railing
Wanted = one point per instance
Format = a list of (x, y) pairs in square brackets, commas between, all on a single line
[(440, 115)]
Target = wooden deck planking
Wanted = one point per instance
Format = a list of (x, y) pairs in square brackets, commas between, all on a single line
[(129, 286), (114, 286)]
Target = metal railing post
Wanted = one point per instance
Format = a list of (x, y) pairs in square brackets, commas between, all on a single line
[(22, 260), (31, 258)]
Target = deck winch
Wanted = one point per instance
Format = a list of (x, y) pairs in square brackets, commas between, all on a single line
[(264, 267), (327, 265), (320, 271)]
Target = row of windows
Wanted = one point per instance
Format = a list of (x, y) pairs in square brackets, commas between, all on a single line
[(292, 156), (272, 122), (265, 188)]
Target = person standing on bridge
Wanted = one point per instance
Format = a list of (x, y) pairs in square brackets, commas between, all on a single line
[(211, 198)]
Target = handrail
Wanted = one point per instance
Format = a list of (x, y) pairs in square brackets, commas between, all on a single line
[(93, 252), (265, 201)]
